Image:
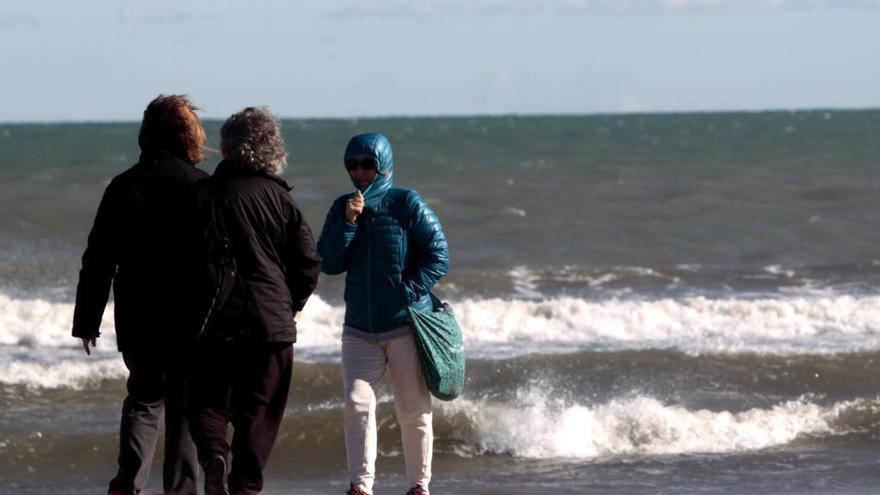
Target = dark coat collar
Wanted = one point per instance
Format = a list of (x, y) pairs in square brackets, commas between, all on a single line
[(229, 169), (153, 158)]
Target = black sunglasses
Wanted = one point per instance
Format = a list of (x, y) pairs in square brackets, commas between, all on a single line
[(363, 163)]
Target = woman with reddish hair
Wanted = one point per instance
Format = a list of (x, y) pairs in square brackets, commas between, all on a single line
[(135, 246)]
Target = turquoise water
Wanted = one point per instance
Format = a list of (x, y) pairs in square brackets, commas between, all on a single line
[(729, 193)]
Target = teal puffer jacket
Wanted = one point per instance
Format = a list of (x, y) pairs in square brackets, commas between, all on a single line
[(397, 234)]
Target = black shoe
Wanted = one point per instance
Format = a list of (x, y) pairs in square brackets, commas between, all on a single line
[(215, 476), (356, 490), (417, 490)]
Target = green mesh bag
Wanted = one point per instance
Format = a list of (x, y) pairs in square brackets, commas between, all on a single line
[(441, 349)]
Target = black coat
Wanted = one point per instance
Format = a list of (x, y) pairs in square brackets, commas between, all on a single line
[(135, 244), (275, 255)]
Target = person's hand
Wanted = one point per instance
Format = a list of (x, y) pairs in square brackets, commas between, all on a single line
[(354, 206), (89, 340)]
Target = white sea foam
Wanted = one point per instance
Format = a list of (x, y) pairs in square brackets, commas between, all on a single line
[(541, 427), (814, 324), (58, 368), (495, 328), (39, 323), (778, 270), (525, 282), (694, 324), (517, 212)]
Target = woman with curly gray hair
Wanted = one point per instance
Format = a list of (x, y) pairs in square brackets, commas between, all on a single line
[(252, 139), (243, 367)]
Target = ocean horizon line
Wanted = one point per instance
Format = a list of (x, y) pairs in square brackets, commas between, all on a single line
[(454, 116)]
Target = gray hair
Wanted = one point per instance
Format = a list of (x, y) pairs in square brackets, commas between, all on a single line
[(252, 139)]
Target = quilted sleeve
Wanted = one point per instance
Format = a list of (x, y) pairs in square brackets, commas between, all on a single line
[(432, 251), (336, 236)]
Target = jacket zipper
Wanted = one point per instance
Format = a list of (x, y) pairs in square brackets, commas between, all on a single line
[(369, 275)]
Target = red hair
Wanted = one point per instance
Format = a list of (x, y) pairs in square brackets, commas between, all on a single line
[(171, 126)]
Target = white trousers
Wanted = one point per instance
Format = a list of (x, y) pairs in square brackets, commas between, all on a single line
[(363, 365)]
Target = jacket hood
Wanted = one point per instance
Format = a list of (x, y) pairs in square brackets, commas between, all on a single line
[(377, 147)]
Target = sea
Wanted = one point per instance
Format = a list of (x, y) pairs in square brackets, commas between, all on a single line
[(651, 304)]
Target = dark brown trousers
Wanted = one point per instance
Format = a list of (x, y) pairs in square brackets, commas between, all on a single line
[(246, 385)]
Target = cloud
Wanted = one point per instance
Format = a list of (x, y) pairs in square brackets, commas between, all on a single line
[(439, 8), (664, 6), (18, 20), (153, 15)]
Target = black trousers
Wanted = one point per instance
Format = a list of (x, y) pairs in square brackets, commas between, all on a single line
[(246, 385), (156, 384)]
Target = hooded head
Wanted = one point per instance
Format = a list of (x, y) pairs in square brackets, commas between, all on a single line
[(376, 147)]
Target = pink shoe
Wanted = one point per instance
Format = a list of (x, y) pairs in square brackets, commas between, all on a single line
[(417, 490)]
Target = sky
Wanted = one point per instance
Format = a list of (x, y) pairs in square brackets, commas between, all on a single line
[(104, 60)]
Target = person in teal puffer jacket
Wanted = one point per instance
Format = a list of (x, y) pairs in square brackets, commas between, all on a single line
[(392, 248)]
